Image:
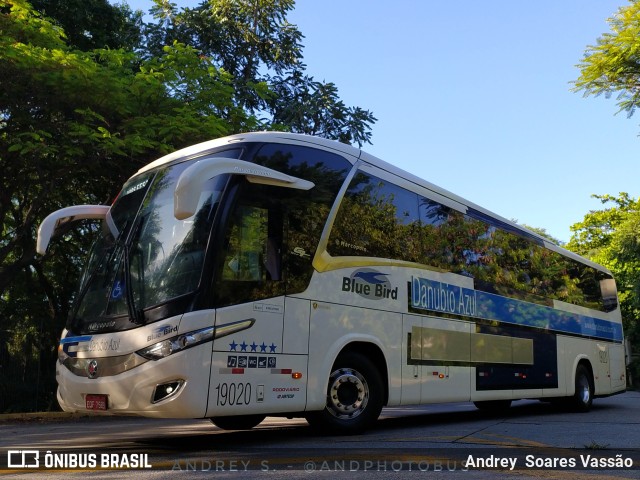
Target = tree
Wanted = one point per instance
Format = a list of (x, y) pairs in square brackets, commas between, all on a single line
[(314, 108), (253, 41), (62, 142), (91, 24), (612, 66), (76, 120), (593, 236), (73, 126), (611, 237)]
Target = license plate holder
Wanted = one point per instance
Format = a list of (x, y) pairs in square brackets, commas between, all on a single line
[(96, 402)]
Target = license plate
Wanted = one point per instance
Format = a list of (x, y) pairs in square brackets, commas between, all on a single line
[(96, 402)]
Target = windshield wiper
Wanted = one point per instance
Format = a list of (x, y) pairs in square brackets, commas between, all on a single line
[(135, 315), (113, 259), (106, 257)]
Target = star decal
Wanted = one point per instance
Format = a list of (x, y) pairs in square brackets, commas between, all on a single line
[(253, 347)]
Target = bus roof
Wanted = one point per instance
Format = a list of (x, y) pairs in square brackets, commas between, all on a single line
[(272, 137)]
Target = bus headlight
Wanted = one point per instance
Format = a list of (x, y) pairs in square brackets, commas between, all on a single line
[(176, 344)]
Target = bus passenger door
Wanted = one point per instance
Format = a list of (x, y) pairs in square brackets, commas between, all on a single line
[(251, 371), (610, 368), (249, 351), (617, 366)]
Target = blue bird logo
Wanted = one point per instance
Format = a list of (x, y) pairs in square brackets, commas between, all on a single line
[(372, 277)]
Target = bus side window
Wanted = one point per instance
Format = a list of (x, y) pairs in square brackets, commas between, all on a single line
[(377, 219), (251, 259), (247, 250)]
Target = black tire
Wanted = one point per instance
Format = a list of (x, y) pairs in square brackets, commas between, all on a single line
[(493, 406), (583, 396), (354, 396), (237, 422)]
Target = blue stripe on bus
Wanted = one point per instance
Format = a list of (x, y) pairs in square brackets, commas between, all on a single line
[(84, 338), (442, 297)]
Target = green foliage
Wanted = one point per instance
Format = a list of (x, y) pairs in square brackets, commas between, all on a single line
[(91, 24), (253, 42), (595, 232), (73, 126), (611, 237), (612, 66), (88, 94), (314, 108), (634, 372)]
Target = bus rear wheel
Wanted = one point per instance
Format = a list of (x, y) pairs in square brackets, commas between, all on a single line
[(237, 422), (354, 396), (583, 396)]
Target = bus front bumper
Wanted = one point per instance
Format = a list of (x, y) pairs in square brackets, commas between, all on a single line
[(173, 387)]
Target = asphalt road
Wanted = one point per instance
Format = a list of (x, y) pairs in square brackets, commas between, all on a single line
[(440, 441)]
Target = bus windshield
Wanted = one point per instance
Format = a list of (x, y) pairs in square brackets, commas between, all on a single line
[(154, 259)]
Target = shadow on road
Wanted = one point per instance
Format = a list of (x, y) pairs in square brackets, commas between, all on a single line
[(392, 419)]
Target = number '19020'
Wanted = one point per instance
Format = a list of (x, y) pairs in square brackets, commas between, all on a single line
[(233, 394)]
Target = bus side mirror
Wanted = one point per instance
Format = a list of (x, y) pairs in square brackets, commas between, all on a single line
[(192, 180), (609, 294), (58, 218)]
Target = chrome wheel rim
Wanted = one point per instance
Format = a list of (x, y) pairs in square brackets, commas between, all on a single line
[(348, 393), (584, 390)]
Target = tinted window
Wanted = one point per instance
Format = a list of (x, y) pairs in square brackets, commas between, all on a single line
[(379, 219), (376, 219), (250, 266), (305, 212), (272, 233)]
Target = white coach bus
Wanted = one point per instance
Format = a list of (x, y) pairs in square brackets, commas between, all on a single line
[(282, 274)]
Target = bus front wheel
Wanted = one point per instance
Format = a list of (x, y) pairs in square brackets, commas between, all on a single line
[(354, 396)]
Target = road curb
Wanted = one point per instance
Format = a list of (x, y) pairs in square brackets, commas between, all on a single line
[(42, 417)]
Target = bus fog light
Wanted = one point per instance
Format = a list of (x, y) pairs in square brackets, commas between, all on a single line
[(166, 390)]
